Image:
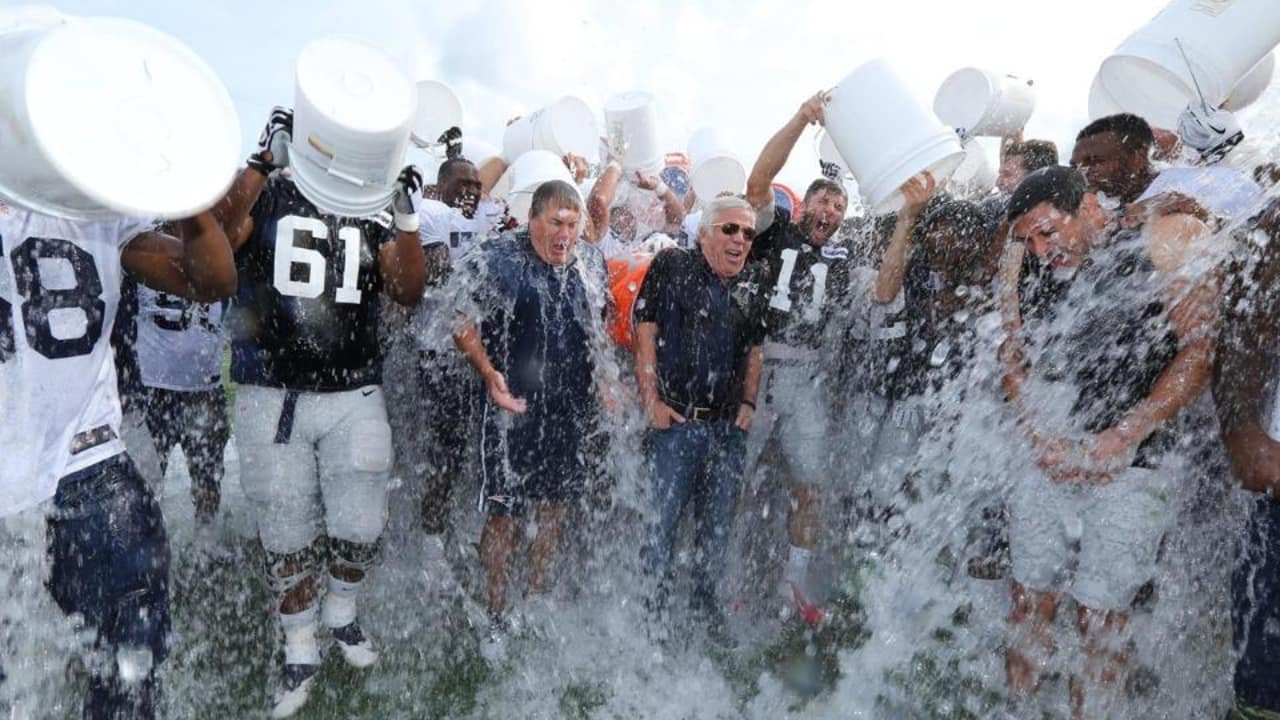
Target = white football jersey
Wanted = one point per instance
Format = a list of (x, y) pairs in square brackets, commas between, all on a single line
[(179, 342), (442, 224), (59, 292)]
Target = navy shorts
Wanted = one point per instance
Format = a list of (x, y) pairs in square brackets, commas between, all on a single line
[(1255, 616), (111, 555), (535, 457)]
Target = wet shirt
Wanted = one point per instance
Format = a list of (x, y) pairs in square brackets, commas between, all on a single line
[(540, 323), (706, 327), (442, 225), (310, 292), (179, 342), (807, 284), (1104, 333)]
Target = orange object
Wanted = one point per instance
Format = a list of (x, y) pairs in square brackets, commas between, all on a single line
[(626, 274), (784, 196)]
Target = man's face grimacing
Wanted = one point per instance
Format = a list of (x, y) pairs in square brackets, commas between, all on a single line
[(554, 233), (461, 189), (725, 243), (1061, 238), (823, 213)]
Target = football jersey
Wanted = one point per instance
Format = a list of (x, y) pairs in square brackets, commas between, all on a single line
[(441, 224), (59, 291), (309, 297), (807, 283), (179, 342)]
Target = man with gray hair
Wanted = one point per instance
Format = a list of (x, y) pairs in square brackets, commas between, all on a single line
[(533, 324), (700, 326)]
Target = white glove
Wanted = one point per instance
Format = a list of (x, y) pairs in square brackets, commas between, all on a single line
[(1211, 133), (405, 202), (274, 140)]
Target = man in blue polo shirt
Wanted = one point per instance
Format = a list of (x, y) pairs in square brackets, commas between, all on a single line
[(533, 333), (699, 335)]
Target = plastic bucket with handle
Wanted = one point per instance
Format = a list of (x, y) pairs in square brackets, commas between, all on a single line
[(631, 123), (886, 135), (438, 110), (980, 102), (1251, 86), (143, 127), (716, 169), (353, 108), (527, 174), (566, 126), (1148, 75)]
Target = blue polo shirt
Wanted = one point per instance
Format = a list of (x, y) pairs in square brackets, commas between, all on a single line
[(539, 323), (706, 327)]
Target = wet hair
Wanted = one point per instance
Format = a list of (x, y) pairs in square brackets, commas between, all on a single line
[(1063, 187), (964, 217), (554, 192), (823, 184), (1035, 154), (719, 205), (449, 167), (1133, 131)]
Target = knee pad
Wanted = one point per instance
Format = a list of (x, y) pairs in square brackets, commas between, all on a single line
[(354, 555), (286, 571), (371, 446)]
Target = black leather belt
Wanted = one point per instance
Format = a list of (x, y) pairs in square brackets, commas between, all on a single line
[(701, 412)]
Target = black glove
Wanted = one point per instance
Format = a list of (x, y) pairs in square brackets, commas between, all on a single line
[(405, 202), (452, 141), (274, 142)]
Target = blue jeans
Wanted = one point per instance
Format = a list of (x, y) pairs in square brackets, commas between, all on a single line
[(111, 564), (1256, 611), (700, 461)]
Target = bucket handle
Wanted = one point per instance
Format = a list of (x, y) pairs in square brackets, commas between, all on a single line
[(1191, 71), (344, 176)]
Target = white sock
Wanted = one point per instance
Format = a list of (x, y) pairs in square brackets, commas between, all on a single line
[(300, 646), (797, 563), (340, 603)]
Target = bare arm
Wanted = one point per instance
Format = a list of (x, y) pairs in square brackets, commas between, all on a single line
[(893, 267), (778, 149), (750, 387), (490, 171), (600, 200), (467, 338), (1011, 353), (196, 264), (232, 212), (659, 413), (403, 268)]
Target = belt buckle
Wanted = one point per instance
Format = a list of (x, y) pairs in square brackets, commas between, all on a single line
[(700, 413)]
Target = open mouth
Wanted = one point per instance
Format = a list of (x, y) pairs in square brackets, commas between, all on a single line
[(733, 252)]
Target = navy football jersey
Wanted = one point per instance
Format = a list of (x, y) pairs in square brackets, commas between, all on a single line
[(309, 297), (807, 283)]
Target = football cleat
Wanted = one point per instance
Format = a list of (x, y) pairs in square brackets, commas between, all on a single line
[(295, 688), (356, 649)]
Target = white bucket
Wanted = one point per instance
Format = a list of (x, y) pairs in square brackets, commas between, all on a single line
[(1223, 40), (566, 126), (631, 123), (716, 169), (1251, 86), (25, 17), (438, 110), (526, 174), (353, 108), (982, 103), (104, 116), (887, 135)]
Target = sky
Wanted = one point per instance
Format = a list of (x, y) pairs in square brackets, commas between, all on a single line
[(740, 66)]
